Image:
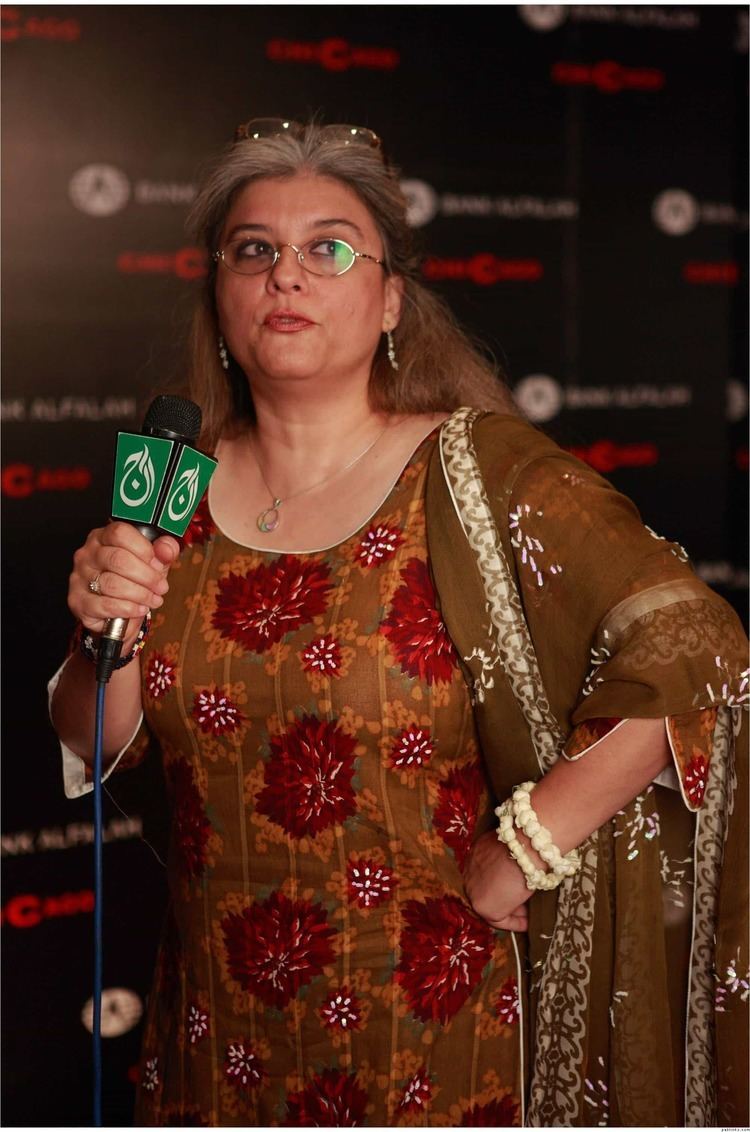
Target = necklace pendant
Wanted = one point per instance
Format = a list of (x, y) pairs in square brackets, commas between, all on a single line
[(269, 519)]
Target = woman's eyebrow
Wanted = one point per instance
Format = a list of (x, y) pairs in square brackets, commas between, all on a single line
[(338, 220), (324, 222), (246, 227)]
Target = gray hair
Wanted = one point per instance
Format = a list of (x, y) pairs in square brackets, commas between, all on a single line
[(439, 368)]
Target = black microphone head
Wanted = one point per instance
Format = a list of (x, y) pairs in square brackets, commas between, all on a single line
[(173, 414)]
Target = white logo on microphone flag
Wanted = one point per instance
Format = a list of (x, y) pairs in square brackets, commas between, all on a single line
[(183, 499), (140, 467), (139, 476), (189, 482)]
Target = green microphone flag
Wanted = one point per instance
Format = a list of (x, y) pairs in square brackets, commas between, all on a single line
[(158, 481)]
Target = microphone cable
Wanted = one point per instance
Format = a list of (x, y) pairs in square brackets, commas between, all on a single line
[(161, 459), (96, 1028)]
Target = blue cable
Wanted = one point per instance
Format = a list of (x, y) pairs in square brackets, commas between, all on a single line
[(101, 688)]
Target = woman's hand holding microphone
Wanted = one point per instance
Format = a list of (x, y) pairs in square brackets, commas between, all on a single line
[(119, 573)]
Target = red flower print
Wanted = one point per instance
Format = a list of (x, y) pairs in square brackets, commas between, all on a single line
[(197, 1024), (308, 779), (496, 1114), (342, 1010), (322, 655), (333, 1099), (276, 946), (160, 675), (191, 826), (201, 527), (412, 747), (415, 628), (696, 777), (369, 884), (215, 713), (259, 608), (418, 1092), (243, 1067), (378, 544), (455, 815), (507, 1006), (444, 948)]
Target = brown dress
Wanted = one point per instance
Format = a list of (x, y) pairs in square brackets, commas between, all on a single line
[(321, 963), (320, 718)]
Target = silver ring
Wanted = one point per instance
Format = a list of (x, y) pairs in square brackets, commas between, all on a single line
[(94, 584)]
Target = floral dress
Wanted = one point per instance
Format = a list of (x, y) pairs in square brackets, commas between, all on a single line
[(320, 963)]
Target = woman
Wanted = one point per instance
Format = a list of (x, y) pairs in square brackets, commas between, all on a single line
[(349, 941)]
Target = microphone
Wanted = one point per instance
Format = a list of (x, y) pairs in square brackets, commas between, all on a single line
[(159, 480)]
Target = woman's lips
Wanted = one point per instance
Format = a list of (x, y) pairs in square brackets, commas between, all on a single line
[(287, 322)]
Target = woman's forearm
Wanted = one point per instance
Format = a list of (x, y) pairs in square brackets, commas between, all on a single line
[(575, 798), (73, 708), (571, 801), (116, 573)]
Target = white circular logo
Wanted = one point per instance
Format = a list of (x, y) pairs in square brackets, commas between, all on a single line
[(538, 396), (421, 202), (99, 190), (675, 212), (543, 17), (121, 1011), (737, 400)]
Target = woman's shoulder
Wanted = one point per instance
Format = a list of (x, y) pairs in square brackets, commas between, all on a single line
[(503, 444), (511, 434), (517, 464)]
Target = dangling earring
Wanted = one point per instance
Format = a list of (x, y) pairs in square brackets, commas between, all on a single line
[(391, 350), (223, 352)]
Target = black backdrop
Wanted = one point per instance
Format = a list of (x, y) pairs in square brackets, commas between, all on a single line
[(577, 177)]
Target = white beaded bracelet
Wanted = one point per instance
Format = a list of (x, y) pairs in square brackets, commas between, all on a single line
[(535, 878), (541, 839)]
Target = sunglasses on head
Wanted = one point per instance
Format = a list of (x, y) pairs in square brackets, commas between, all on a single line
[(258, 128)]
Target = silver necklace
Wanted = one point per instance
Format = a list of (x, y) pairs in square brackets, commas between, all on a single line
[(269, 519)]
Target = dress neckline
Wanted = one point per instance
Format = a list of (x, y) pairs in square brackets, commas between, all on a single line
[(276, 551)]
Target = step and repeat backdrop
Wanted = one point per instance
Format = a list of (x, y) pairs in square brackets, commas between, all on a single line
[(576, 179)]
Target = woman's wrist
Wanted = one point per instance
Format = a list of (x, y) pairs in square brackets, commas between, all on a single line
[(131, 635), (132, 644)]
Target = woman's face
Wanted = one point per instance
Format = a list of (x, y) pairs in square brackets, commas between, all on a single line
[(287, 324)]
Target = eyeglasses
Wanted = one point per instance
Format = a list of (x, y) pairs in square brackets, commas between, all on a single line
[(258, 128), (322, 256)]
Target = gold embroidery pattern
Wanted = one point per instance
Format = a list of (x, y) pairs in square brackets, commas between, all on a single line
[(700, 1086), (557, 1077), (631, 608), (684, 628), (514, 647)]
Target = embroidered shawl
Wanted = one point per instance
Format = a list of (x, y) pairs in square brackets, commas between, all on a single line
[(571, 616)]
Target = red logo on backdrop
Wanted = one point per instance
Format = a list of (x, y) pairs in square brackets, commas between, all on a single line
[(723, 274), (21, 480), (14, 26), (186, 263), (333, 54), (742, 459), (607, 76), (28, 910), (606, 456), (483, 269)]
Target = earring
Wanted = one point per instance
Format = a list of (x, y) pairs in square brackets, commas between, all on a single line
[(391, 350), (223, 352)]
